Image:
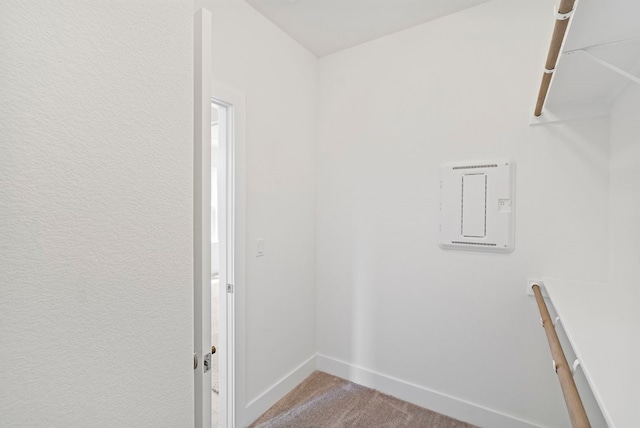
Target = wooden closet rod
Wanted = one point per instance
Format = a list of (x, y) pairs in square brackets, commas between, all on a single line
[(577, 413), (562, 22)]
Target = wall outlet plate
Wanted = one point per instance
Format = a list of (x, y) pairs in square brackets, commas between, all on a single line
[(530, 283)]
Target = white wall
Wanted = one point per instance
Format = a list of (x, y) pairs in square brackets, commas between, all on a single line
[(95, 213), (625, 198), (279, 80), (389, 300), (96, 182)]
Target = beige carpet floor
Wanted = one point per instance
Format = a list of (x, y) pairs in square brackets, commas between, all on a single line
[(325, 401)]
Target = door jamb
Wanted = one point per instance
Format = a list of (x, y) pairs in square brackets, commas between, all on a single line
[(233, 363)]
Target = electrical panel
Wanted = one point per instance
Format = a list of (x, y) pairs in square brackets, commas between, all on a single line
[(477, 206)]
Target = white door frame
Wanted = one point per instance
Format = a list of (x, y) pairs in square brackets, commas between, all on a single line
[(232, 237)]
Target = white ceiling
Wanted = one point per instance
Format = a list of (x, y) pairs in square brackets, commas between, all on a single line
[(327, 26)]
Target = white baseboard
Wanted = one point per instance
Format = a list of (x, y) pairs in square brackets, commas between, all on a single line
[(256, 407), (421, 396), (416, 394)]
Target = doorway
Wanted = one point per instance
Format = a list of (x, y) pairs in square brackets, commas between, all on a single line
[(227, 242), (221, 258), (219, 236), (215, 237)]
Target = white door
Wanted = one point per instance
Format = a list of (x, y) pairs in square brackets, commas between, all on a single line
[(202, 219)]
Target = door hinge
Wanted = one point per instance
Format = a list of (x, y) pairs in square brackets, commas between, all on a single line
[(229, 288)]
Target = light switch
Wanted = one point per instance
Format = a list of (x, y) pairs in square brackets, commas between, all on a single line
[(474, 205), (259, 247)]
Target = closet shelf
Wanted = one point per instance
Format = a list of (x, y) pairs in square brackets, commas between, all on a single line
[(598, 59), (602, 324)]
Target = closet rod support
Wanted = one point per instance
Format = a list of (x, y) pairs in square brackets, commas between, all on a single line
[(575, 366), (562, 16)]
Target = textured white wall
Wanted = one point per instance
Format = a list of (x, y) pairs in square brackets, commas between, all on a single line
[(389, 300), (279, 80), (96, 213), (625, 198)]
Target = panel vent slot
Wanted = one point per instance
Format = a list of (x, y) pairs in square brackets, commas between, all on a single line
[(484, 244), (493, 165)]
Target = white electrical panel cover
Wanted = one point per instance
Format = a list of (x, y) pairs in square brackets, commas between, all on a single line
[(477, 206)]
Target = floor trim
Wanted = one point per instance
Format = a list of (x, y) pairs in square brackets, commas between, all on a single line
[(421, 396), (262, 403)]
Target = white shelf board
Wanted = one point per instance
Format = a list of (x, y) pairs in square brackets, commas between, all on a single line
[(603, 327)]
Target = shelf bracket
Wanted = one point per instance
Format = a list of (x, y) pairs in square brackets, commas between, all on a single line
[(609, 65)]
